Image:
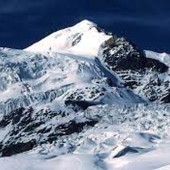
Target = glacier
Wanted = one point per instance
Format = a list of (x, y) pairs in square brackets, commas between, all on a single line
[(84, 98)]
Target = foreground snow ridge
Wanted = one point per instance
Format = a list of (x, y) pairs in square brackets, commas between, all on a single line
[(84, 99)]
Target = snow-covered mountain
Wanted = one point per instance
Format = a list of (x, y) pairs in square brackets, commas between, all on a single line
[(93, 97), (143, 72), (82, 39)]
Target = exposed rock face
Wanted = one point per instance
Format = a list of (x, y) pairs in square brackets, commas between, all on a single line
[(145, 76), (28, 128), (120, 54)]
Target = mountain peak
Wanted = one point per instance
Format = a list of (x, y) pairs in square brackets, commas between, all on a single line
[(86, 23), (73, 40)]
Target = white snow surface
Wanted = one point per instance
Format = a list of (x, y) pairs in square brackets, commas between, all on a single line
[(54, 68), (155, 160), (162, 57), (88, 42)]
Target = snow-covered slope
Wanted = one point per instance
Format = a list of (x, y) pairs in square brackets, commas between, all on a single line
[(82, 99), (163, 57), (33, 79), (82, 39)]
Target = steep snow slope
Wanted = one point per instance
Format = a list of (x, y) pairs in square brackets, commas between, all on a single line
[(82, 39), (30, 79)]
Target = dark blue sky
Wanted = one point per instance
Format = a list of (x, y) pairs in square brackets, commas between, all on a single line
[(145, 22)]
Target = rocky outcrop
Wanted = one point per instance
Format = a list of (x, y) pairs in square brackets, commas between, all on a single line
[(27, 128), (145, 76)]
